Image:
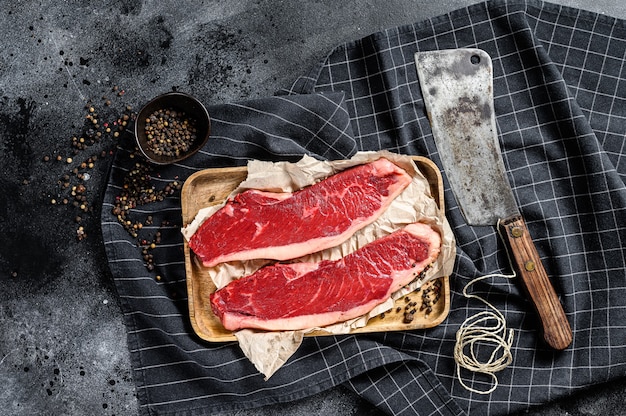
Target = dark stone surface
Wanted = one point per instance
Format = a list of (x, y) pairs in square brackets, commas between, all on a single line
[(62, 339)]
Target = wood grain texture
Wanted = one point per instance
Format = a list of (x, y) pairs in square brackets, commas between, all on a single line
[(212, 186), (556, 329)]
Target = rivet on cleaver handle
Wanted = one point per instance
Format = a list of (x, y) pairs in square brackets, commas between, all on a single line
[(556, 330), (457, 86)]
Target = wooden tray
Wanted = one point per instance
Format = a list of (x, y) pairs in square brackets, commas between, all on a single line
[(212, 186)]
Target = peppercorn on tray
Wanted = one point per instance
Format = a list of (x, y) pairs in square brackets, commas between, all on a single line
[(425, 307)]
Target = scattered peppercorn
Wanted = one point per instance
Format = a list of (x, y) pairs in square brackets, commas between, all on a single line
[(73, 190), (138, 187), (429, 295), (408, 317), (80, 233)]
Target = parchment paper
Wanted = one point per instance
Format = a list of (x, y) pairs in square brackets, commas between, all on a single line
[(268, 351)]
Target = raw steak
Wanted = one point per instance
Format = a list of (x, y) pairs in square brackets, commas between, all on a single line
[(281, 226), (306, 295)]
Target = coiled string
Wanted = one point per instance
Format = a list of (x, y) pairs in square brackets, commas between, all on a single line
[(484, 328)]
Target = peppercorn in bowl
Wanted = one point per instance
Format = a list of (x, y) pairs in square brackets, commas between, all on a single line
[(172, 127)]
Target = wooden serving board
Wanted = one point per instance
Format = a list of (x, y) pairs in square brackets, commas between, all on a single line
[(431, 303)]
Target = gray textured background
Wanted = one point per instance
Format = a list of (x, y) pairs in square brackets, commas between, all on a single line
[(62, 341)]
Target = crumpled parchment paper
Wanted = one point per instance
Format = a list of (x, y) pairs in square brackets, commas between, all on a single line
[(268, 351)]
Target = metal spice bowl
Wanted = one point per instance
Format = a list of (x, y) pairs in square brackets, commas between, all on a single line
[(181, 103)]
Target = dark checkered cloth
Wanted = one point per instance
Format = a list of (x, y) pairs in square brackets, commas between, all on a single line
[(560, 101)]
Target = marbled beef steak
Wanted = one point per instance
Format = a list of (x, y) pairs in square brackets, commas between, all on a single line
[(307, 295), (280, 226)]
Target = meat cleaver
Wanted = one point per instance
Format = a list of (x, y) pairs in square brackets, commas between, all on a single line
[(457, 86)]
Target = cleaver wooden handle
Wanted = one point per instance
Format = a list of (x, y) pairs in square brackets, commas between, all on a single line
[(556, 329)]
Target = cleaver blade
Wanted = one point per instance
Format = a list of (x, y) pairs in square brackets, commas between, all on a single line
[(457, 86)]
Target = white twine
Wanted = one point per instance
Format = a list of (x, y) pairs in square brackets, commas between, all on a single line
[(476, 331)]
